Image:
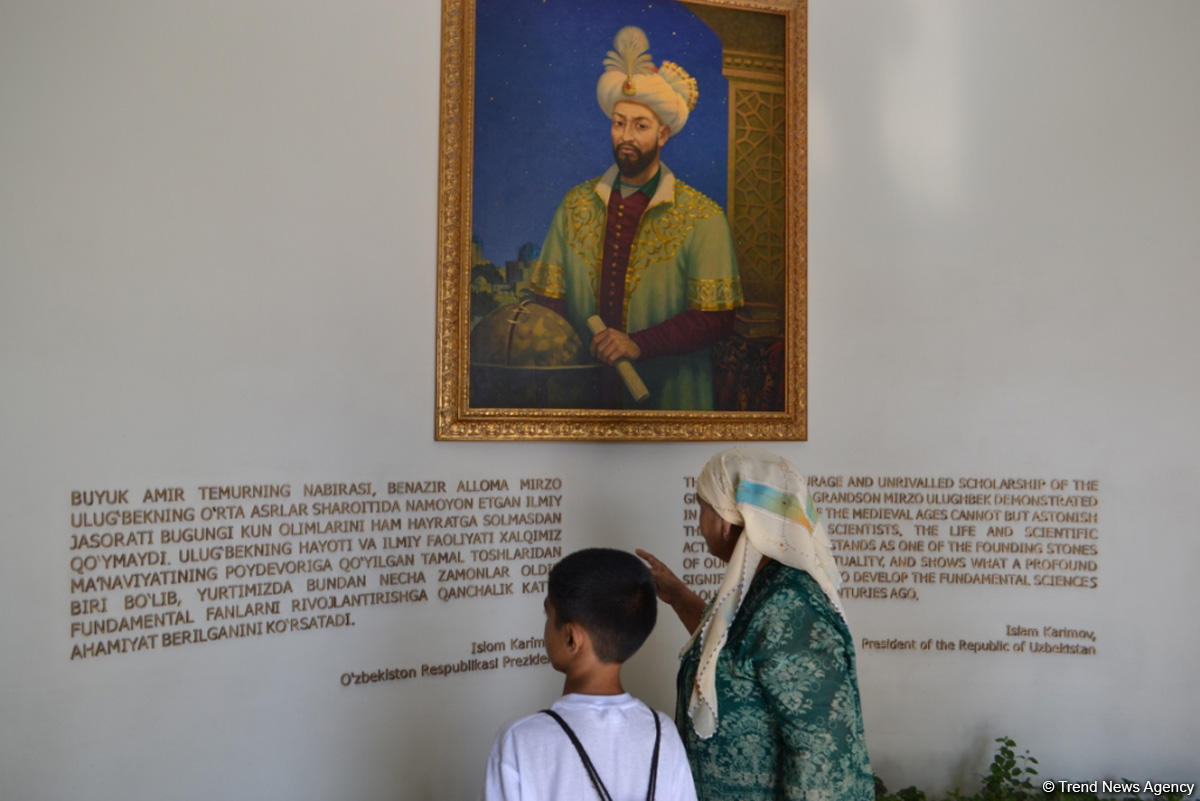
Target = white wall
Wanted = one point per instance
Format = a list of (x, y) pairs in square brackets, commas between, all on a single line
[(217, 265)]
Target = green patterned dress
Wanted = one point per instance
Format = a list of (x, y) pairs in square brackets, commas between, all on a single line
[(789, 718)]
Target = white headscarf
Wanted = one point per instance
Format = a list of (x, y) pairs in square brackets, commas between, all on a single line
[(764, 494), (630, 74)]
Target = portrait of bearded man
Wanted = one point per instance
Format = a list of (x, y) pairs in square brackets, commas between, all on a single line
[(651, 256)]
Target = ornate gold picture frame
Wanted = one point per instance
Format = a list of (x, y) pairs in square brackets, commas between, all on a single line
[(518, 106)]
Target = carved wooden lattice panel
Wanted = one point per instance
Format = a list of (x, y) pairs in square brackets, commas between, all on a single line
[(757, 196)]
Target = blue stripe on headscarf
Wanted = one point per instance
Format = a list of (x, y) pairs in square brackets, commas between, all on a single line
[(774, 501)]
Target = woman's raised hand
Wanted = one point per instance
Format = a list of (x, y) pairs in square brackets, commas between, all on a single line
[(665, 581), (671, 589)]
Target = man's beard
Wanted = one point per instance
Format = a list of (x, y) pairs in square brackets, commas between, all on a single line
[(631, 164)]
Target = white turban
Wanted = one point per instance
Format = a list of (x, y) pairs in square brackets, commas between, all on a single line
[(764, 494), (630, 74)]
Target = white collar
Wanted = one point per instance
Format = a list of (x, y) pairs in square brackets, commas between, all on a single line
[(665, 193)]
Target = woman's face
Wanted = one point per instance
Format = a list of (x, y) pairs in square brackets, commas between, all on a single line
[(716, 531)]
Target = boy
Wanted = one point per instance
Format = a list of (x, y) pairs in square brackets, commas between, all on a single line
[(600, 607)]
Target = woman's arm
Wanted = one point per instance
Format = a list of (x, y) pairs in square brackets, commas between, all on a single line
[(687, 605)]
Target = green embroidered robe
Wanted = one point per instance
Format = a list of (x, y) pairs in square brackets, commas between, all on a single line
[(682, 258)]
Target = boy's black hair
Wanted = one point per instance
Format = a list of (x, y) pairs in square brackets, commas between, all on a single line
[(608, 592)]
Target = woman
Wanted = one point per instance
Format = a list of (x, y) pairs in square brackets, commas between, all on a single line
[(768, 702)]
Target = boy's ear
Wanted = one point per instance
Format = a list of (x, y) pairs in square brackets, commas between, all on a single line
[(575, 637)]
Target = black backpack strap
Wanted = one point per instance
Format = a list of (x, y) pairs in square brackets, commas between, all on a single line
[(654, 760), (587, 762), (591, 769)]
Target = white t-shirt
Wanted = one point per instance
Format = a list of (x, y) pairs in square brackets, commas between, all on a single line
[(533, 759)]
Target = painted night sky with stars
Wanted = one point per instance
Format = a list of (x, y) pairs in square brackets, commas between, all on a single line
[(538, 128)]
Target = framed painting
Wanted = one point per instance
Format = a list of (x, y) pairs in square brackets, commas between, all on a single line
[(622, 220)]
